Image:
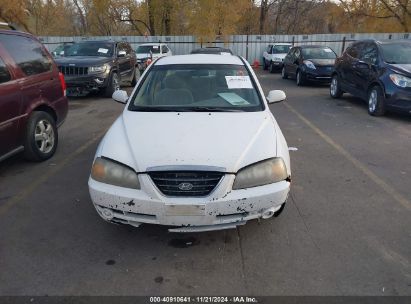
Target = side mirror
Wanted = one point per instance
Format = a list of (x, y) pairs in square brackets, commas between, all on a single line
[(120, 96), (121, 53), (276, 96)]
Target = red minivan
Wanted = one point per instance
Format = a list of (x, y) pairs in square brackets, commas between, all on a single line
[(33, 99)]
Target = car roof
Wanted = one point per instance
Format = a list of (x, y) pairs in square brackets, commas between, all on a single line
[(150, 44), (390, 41), (313, 46), (211, 50), (102, 40), (279, 43), (200, 59)]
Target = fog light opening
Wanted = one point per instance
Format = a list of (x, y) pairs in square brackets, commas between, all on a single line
[(107, 214), (268, 213)]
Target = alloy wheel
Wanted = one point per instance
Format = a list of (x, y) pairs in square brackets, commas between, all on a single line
[(333, 86), (44, 136), (372, 101)]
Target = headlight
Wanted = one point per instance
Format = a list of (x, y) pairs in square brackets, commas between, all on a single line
[(97, 69), (110, 172), (262, 173), (401, 81), (309, 64)]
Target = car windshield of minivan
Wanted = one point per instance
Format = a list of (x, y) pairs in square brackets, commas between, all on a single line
[(397, 53), (90, 49), (197, 88), (281, 49), (145, 49), (318, 53)]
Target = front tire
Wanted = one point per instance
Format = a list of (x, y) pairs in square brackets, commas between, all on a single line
[(271, 67), (335, 88), (376, 101), (113, 85), (284, 73), (41, 137), (300, 79)]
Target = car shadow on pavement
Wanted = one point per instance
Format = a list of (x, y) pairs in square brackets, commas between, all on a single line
[(349, 100)]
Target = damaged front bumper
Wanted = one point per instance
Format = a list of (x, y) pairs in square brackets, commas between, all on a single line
[(222, 209), (84, 85)]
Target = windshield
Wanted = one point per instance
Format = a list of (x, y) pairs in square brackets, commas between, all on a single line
[(281, 49), (145, 49), (101, 49), (397, 53), (199, 87), (318, 53)]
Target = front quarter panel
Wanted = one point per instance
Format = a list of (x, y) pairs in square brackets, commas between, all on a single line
[(115, 145)]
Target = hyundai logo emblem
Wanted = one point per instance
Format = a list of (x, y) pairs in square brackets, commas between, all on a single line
[(185, 186)]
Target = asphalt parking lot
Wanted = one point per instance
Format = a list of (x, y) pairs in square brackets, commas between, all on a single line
[(346, 229)]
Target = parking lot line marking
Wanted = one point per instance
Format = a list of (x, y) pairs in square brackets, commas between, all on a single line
[(358, 164), (27, 191)]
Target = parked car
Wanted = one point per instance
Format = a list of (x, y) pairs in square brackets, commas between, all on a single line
[(148, 52), (162, 163), (61, 49), (92, 66), (32, 97), (378, 72), (309, 63), (274, 55), (212, 50)]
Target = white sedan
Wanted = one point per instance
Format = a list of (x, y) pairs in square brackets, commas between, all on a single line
[(196, 147)]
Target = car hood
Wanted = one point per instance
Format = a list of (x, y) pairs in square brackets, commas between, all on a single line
[(401, 68), (229, 140), (281, 56), (322, 62), (82, 61)]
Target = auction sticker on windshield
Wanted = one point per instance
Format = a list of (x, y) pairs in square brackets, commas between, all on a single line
[(102, 50), (238, 82)]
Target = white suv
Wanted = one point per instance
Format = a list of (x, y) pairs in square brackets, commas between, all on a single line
[(151, 51), (274, 55)]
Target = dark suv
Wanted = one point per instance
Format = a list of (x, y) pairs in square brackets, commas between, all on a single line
[(32, 97), (376, 71), (91, 66)]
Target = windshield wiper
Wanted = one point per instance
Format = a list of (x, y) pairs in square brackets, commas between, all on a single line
[(183, 109), (153, 109), (209, 109), (391, 62)]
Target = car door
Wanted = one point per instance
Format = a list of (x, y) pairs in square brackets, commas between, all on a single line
[(351, 68), (10, 107), (365, 70), (295, 62), (267, 53), (289, 58), (123, 58)]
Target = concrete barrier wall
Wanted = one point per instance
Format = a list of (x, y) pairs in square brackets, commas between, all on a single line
[(250, 47)]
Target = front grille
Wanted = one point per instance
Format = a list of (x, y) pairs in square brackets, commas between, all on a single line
[(73, 71), (186, 183)]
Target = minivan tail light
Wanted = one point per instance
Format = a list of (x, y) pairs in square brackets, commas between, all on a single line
[(63, 83)]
